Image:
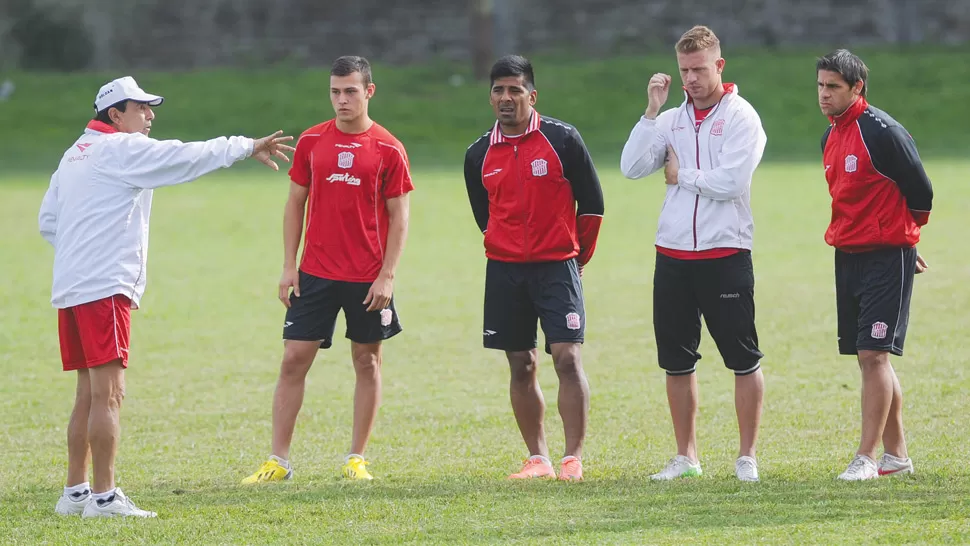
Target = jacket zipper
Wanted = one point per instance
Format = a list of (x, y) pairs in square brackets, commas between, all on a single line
[(697, 198), (697, 144), (525, 222)]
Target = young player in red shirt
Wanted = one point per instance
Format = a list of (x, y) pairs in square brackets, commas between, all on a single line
[(354, 176)]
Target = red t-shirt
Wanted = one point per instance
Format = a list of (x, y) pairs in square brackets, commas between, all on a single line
[(350, 177), (713, 253)]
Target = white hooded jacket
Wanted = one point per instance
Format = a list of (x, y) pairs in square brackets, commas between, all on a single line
[(95, 212), (710, 206)]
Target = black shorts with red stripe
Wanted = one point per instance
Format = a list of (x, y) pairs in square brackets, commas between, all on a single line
[(873, 291)]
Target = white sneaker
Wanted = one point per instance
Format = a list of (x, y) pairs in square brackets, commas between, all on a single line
[(71, 506), (679, 467), (746, 469), (890, 464), (119, 506), (861, 468)]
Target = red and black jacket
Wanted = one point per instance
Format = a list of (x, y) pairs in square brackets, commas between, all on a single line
[(536, 197), (880, 192)]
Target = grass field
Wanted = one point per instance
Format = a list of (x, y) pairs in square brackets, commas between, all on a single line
[(438, 109), (206, 349)]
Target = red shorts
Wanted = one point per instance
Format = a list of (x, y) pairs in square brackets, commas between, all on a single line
[(95, 333)]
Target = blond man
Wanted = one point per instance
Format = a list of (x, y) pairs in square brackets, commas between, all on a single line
[(709, 148)]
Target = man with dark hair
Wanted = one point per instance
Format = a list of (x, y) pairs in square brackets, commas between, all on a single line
[(355, 176), (709, 148), (881, 197), (536, 197), (95, 214)]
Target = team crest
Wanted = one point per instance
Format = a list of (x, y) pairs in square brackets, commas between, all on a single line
[(851, 163), (540, 167), (345, 160), (386, 316), (718, 128), (879, 330), (572, 321)]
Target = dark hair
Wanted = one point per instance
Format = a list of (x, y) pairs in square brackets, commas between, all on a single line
[(513, 66), (347, 65), (847, 65), (103, 116)]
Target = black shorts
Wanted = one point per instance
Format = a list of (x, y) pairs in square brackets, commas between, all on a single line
[(722, 291), (313, 315), (872, 293), (519, 294)]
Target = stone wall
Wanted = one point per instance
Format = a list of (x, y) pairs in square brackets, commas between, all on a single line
[(185, 34)]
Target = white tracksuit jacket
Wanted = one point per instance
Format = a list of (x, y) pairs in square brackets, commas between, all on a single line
[(96, 210), (710, 206)]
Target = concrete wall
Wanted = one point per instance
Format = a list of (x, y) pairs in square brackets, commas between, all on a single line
[(181, 34)]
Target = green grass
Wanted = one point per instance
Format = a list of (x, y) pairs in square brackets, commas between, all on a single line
[(923, 88), (206, 352)]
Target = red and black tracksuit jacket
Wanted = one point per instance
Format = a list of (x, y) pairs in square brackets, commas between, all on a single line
[(536, 197), (880, 192)]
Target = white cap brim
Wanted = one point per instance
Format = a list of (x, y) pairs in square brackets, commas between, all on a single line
[(147, 98)]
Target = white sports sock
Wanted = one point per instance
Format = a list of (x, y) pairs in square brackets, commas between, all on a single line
[(99, 497), (79, 491), (567, 457), (352, 455), (283, 462)]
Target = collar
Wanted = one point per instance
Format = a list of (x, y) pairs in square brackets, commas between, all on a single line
[(851, 113), (728, 88), (101, 127), (498, 137)]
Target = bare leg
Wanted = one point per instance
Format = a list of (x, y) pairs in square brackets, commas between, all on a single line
[(527, 402), (682, 396), (573, 395), (877, 398), (749, 392), (288, 399), (104, 421), (78, 451), (367, 392), (894, 437)]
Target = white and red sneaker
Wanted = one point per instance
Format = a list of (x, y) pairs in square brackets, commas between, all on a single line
[(861, 468), (890, 465)]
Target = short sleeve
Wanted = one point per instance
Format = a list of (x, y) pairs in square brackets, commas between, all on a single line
[(396, 178), (300, 168)]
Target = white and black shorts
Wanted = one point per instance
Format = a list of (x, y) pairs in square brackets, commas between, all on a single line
[(872, 292)]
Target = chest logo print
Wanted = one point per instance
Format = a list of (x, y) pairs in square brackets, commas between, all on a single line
[(540, 167), (346, 178), (718, 128), (345, 160), (851, 163)]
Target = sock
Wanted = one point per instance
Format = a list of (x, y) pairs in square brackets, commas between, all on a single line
[(541, 458), (104, 498), (351, 456), (567, 457), (79, 491), (283, 462)]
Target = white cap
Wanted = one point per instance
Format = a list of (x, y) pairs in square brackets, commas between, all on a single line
[(121, 89)]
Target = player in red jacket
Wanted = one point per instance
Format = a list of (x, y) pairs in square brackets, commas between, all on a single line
[(880, 198), (537, 199)]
